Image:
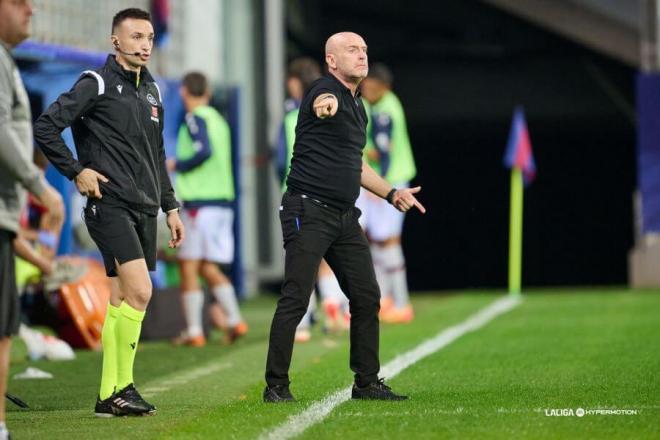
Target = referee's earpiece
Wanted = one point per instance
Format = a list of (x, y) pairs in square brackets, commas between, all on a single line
[(115, 43)]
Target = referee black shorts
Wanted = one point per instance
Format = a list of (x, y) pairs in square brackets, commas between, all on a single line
[(9, 307), (121, 233)]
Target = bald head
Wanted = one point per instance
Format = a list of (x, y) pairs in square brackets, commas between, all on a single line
[(340, 39), (346, 56)]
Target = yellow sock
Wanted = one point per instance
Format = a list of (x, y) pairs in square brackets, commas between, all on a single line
[(109, 342), (129, 324)]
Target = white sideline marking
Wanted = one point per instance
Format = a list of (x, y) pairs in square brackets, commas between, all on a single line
[(181, 377), (298, 423)]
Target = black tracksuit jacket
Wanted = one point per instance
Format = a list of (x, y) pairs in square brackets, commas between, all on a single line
[(117, 126)]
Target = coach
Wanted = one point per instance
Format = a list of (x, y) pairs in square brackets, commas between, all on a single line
[(319, 219)]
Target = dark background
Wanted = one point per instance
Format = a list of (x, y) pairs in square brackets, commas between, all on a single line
[(460, 67)]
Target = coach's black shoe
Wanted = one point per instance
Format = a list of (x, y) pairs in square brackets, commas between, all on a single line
[(131, 395), (375, 391), (278, 393)]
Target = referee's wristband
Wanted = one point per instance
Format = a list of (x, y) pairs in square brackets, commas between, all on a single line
[(389, 195)]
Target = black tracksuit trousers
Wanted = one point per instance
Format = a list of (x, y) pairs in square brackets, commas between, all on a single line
[(312, 231)]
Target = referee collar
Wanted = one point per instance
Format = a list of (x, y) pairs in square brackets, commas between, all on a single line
[(130, 75)]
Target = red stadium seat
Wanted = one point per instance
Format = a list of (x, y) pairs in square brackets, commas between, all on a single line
[(83, 305)]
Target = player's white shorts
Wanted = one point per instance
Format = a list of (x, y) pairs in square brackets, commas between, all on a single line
[(379, 219), (209, 234)]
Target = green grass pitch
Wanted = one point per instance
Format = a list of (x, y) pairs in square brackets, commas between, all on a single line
[(564, 349)]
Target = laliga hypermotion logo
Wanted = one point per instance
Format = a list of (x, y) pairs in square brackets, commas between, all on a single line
[(581, 412)]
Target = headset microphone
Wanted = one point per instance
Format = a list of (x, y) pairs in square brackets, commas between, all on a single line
[(137, 54)]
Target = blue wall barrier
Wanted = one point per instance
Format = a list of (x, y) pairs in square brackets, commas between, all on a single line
[(648, 149)]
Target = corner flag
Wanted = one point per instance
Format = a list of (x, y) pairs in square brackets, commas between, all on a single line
[(519, 148), (519, 158)]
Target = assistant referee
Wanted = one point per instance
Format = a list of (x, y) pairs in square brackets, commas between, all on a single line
[(319, 219), (116, 116)]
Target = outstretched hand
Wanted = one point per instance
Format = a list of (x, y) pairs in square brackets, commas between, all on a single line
[(325, 106), (403, 199)]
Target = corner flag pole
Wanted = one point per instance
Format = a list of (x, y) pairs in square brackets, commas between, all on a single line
[(515, 231)]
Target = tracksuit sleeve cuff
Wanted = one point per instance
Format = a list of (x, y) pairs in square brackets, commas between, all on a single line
[(76, 168), (170, 206)]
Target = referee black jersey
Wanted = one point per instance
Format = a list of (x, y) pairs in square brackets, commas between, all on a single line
[(327, 154), (117, 124)]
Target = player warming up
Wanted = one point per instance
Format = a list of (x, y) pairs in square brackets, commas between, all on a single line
[(205, 184), (391, 155)]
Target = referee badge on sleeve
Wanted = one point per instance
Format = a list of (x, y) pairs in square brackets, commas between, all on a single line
[(154, 114)]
